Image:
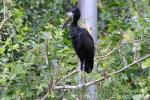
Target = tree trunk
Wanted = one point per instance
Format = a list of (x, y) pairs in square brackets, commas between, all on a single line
[(88, 10)]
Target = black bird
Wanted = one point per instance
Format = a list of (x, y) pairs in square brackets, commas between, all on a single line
[(82, 41)]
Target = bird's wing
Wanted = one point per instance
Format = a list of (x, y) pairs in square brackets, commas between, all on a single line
[(86, 34)]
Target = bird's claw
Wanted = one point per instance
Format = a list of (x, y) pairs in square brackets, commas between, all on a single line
[(80, 85)]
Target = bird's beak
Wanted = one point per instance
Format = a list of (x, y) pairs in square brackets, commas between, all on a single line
[(70, 16), (66, 23)]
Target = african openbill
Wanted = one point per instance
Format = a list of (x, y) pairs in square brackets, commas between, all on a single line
[(82, 41)]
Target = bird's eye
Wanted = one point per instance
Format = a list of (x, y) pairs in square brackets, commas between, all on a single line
[(72, 11)]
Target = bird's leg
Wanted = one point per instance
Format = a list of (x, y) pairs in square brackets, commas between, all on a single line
[(82, 66), (80, 76)]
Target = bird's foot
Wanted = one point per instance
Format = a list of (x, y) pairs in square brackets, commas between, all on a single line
[(80, 85)]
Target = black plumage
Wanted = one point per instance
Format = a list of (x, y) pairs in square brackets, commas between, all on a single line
[(82, 42)]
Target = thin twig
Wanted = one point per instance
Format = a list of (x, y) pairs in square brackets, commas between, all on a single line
[(105, 56), (74, 72), (46, 50), (3, 22)]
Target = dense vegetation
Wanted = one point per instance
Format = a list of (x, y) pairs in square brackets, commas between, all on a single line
[(35, 53)]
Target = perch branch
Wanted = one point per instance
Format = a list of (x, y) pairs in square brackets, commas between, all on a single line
[(100, 79), (96, 81)]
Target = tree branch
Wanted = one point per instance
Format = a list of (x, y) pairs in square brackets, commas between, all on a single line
[(93, 82), (133, 63), (100, 79)]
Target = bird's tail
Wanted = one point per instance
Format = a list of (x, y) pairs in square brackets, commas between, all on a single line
[(88, 65)]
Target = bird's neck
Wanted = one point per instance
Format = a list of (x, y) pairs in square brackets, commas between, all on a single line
[(74, 23)]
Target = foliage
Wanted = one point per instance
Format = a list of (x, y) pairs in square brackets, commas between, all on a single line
[(35, 52)]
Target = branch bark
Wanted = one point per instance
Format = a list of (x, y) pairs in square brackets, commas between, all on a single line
[(101, 79)]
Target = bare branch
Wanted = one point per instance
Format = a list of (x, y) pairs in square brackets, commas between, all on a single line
[(133, 63), (100, 79), (93, 82)]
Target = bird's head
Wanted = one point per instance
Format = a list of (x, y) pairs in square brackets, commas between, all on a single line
[(74, 14)]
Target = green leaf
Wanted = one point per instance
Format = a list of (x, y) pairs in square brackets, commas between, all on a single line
[(124, 76), (2, 50), (16, 46), (74, 2), (146, 63)]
